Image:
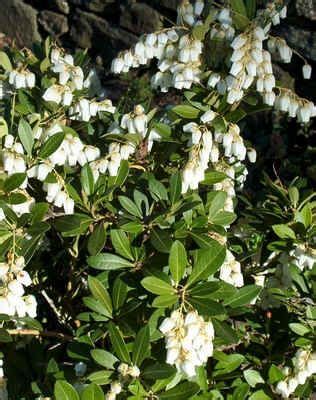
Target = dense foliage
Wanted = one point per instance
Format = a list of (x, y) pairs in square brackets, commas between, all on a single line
[(134, 263)]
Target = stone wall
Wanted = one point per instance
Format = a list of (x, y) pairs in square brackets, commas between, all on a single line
[(107, 26)]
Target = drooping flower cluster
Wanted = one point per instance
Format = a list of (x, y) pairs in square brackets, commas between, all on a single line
[(304, 363), (189, 341), (189, 13), (295, 106), (22, 78), (230, 271), (207, 147), (225, 29), (250, 63), (178, 52), (13, 281)]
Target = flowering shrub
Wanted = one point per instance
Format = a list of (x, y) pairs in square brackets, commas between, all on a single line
[(124, 272)]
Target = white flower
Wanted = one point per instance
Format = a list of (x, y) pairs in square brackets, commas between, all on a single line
[(307, 71)]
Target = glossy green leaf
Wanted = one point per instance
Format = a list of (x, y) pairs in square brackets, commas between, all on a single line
[(104, 358), (26, 135), (118, 343), (100, 293), (157, 286), (121, 243), (92, 392), (141, 346), (177, 261), (107, 261), (64, 391), (244, 296), (51, 145)]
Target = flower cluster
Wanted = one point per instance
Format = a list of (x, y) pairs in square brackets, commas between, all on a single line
[(250, 63), (303, 256), (202, 151), (128, 370), (189, 340), (225, 29), (178, 52), (22, 78), (115, 389), (295, 106), (13, 280), (190, 13), (230, 271), (304, 363)]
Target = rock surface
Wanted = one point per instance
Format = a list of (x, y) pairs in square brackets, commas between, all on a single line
[(19, 21)]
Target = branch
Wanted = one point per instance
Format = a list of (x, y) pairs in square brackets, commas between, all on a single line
[(36, 332)]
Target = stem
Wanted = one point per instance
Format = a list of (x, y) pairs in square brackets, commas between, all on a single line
[(35, 332)]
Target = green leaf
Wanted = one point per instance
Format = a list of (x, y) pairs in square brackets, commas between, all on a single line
[(118, 343), (160, 240), (64, 391), (130, 206), (260, 395), (119, 293), (5, 62), (100, 293), (157, 286), (14, 181), (275, 374), (299, 329), (5, 337), (96, 306), (177, 261), (283, 231), (294, 195), (186, 111), (51, 145), (92, 392), (122, 174), (225, 332), (157, 190), (305, 216), (87, 180), (239, 14), (243, 296), (224, 218), (217, 204), (208, 261), (97, 239), (241, 392), (121, 243), (104, 358), (100, 377), (181, 392), (158, 371), (3, 127), (205, 289), (26, 135), (107, 261), (213, 177), (165, 301), (251, 6), (206, 306), (141, 346), (253, 378), (175, 187)]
